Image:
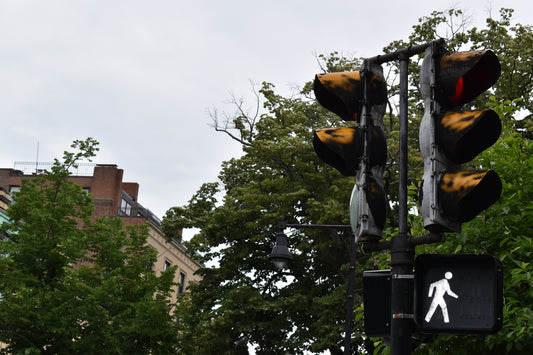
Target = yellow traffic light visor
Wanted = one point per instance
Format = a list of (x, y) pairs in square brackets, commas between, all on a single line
[(342, 93), (342, 148), (463, 135), (464, 194)]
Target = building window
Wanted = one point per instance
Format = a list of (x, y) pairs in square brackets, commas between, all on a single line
[(167, 265), (181, 282), (125, 207), (13, 189)]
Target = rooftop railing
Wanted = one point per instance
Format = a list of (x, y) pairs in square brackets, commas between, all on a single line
[(37, 168)]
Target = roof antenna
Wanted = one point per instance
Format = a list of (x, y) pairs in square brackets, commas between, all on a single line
[(37, 160)]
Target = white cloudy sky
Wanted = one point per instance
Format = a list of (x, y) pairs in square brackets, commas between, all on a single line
[(139, 75)]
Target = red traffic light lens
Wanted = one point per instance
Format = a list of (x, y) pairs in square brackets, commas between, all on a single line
[(459, 88)]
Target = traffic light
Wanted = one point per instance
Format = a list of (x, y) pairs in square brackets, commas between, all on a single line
[(359, 150), (450, 137)]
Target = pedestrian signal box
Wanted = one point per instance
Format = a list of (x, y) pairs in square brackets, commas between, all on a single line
[(377, 298), (458, 294)]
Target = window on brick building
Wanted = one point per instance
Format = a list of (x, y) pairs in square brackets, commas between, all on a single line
[(167, 265), (125, 207), (181, 283)]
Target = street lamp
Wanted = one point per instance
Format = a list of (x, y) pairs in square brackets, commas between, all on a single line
[(280, 255)]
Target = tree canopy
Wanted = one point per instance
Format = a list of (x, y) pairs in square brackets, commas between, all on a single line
[(74, 285), (243, 300)]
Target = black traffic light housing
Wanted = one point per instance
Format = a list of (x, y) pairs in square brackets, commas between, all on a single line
[(361, 150)]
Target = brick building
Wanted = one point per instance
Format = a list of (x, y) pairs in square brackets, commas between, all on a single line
[(115, 198)]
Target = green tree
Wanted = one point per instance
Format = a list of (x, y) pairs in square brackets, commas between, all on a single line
[(240, 301), (74, 285), (243, 299)]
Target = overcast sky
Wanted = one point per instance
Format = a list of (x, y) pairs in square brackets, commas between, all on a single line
[(139, 76)]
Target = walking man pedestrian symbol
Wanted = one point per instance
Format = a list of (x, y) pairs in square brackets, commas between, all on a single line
[(441, 288)]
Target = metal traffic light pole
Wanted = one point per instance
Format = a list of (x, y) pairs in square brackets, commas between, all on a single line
[(401, 248), (402, 254)]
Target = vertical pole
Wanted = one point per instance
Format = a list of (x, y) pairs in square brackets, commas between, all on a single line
[(402, 188), (349, 299), (401, 252)]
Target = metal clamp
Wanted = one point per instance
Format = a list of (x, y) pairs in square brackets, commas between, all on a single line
[(402, 316), (403, 276)]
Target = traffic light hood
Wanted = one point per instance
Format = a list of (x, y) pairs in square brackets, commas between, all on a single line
[(465, 194), (342, 148), (465, 75), (463, 135), (342, 93)]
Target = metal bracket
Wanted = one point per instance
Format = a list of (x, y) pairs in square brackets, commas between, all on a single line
[(403, 316), (403, 276)]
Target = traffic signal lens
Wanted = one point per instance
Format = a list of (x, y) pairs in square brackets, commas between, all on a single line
[(458, 91)]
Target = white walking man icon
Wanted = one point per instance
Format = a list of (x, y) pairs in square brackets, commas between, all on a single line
[(441, 288)]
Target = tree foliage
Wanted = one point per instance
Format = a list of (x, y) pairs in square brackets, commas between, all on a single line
[(243, 299), (74, 285)]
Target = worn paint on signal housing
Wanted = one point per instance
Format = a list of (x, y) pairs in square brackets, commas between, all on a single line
[(342, 93), (463, 135), (463, 194), (342, 148)]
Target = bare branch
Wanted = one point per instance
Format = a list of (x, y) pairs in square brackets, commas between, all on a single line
[(226, 128), (239, 126)]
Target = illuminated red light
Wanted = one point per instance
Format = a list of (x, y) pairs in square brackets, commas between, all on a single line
[(458, 92)]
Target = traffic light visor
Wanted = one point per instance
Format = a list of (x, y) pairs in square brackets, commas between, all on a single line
[(465, 75), (464, 194), (342, 93), (463, 135), (342, 147)]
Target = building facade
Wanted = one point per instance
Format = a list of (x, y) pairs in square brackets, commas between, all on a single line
[(115, 198)]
